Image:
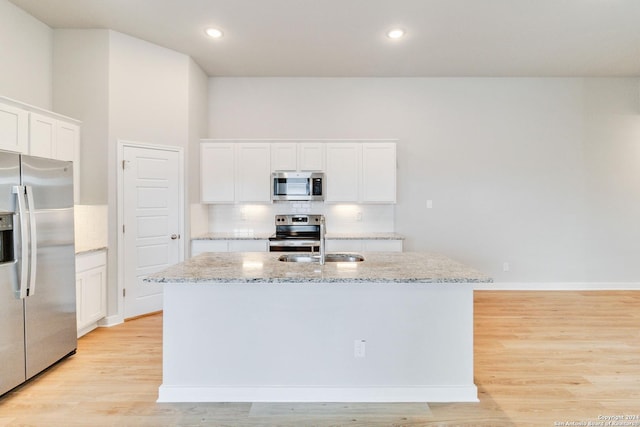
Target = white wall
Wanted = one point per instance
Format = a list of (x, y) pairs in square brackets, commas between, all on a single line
[(81, 90), (612, 157), (515, 167), (198, 126), (25, 57), (148, 103), (124, 88), (148, 92)]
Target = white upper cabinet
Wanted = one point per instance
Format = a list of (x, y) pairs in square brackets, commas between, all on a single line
[(284, 156), (311, 156), (53, 138), (297, 156), (31, 130), (361, 172), (234, 172), (42, 135), (342, 171), (14, 129), (253, 172), (217, 172), (67, 141), (67, 147), (240, 171), (378, 183)]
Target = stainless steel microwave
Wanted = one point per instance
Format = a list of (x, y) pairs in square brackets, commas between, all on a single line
[(297, 186)]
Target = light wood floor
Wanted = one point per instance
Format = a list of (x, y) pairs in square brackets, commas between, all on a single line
[(541, 359)]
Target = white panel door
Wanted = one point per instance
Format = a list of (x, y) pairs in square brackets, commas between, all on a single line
[(152, 223)]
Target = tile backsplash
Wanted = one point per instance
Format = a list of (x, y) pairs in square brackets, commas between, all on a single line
[(91, 227), (341, 218)]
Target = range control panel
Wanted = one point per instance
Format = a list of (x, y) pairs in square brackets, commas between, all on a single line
[(298, 219)]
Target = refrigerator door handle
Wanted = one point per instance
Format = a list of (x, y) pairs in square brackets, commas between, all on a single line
[(19, 191), (33, 238)]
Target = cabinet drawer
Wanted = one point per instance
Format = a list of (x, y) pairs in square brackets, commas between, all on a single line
[(247, 245), (382, 245), (365, 245), (200, 246), (90, 260)]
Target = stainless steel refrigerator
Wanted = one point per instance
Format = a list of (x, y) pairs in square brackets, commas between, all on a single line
[(37, 266)]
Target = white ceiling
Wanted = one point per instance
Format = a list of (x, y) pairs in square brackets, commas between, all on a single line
[(340, 38)]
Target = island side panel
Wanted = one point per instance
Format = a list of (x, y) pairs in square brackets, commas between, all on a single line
[(296, 342)]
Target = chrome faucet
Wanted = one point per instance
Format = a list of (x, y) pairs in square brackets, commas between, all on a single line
[(323, 231)]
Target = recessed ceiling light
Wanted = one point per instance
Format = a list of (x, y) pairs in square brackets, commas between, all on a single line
[(214, 33), (396, 33)]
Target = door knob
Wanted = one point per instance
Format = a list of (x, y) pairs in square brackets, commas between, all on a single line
[(175, 236)]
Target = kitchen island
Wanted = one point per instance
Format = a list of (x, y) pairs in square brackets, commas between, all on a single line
[(245, 327)]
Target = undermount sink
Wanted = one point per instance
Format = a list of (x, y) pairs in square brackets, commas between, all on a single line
[(297, 257)]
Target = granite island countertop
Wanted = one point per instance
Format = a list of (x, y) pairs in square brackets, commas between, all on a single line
[(264, 267), (231, 235)]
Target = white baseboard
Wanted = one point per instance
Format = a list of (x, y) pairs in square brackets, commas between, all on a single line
[(418, 394), (86, 329), (558, 286), (111, 321)]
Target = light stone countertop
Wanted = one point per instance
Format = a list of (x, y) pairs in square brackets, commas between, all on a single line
[(83, 251), (330, 236), (365, 236), (264, 267), (230, 235)]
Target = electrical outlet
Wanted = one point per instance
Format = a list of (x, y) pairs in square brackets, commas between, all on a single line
[(505, 266), (359, 348), (359, 216), (429, 204)]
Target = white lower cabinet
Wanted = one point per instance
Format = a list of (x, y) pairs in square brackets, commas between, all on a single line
[(365, 245), (91, 290), (249, 245)]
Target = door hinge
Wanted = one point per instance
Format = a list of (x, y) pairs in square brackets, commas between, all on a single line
[(124, 292), (123, 228), (124, 164)]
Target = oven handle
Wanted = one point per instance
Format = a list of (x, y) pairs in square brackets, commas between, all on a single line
[(294, 242)]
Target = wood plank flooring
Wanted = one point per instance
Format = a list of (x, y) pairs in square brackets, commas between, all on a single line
[(541, 359)]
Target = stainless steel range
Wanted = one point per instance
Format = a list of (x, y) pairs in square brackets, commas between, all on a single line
[(296, 233)]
